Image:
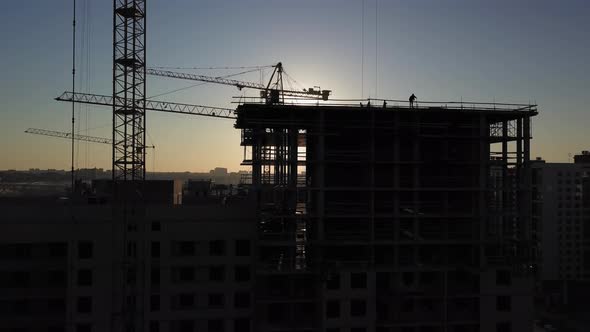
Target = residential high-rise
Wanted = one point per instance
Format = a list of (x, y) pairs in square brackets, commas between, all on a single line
[(561, 201)]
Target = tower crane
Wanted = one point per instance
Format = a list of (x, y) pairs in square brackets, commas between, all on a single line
[(273, 92), (129, 105)]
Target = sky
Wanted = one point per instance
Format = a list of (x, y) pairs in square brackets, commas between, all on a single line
[(503, 50)]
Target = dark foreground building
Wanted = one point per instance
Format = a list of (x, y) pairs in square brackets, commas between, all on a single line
[(391, 219), (357, 219)]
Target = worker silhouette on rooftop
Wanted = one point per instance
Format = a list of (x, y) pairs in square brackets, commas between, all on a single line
[(412, 98)]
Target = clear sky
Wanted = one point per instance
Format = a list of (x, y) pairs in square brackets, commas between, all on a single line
[(503, 50)]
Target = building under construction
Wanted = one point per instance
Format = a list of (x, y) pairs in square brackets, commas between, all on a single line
[(389, 218)]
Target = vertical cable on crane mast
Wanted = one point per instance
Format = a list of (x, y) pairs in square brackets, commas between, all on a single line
[(73, 92), (376, 48), (363, 50)]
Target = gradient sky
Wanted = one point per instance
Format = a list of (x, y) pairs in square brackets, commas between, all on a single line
[(509, 51)]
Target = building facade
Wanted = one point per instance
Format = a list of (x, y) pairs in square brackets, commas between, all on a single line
[(61, 267), (561, 196)]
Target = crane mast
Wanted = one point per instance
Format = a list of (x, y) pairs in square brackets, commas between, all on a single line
[(129, 136), (129, 70)]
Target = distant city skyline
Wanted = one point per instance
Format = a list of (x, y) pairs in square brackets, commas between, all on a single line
[(525, 51)]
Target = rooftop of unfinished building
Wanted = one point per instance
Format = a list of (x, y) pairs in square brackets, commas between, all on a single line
[(305, 112), (396, 104)]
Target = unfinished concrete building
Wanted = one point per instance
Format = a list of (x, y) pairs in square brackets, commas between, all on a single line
[(390, 218)]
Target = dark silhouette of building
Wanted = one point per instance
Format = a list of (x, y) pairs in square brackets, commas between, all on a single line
[(61, 264), (407, 220), (352, 219)]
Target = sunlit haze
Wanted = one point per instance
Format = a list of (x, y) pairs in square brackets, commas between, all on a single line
[(503, 51)]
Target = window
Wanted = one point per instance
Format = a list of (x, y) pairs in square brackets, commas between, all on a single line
[(85, 250), (155, 276), (242, 300), (56, 305), (186, 273), (84, 277), (333, 281), (83, 328), (184, 248), (216, 300), (503, 303), (20, 279), (84, 304), (154, 326), (131, 276), (155, 302), (358, 308), (215, 325), (332, 309), (56, 278), (132, 227), (186, 300), (156, 226), (217, 248), (242, 247), (56, 328), (358, 329), (186, 326), (407, 305), (242, 273), (408, 278), (382, 281), (242, 325), (503, 277), (216, 273), (20, 307), (58, 249), (504, 327), (358, 280), (155, 249), (132, 249)]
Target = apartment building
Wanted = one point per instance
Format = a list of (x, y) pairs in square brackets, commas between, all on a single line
[(60, 267), (561, 207)]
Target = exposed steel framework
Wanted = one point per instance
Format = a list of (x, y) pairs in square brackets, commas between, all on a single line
[(426, 203), (129, 107), (129, 70)]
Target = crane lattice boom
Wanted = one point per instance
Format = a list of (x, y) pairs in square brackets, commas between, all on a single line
[(204, 78), (60, 134), (78, 137), (266, 90), (150, 105)]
